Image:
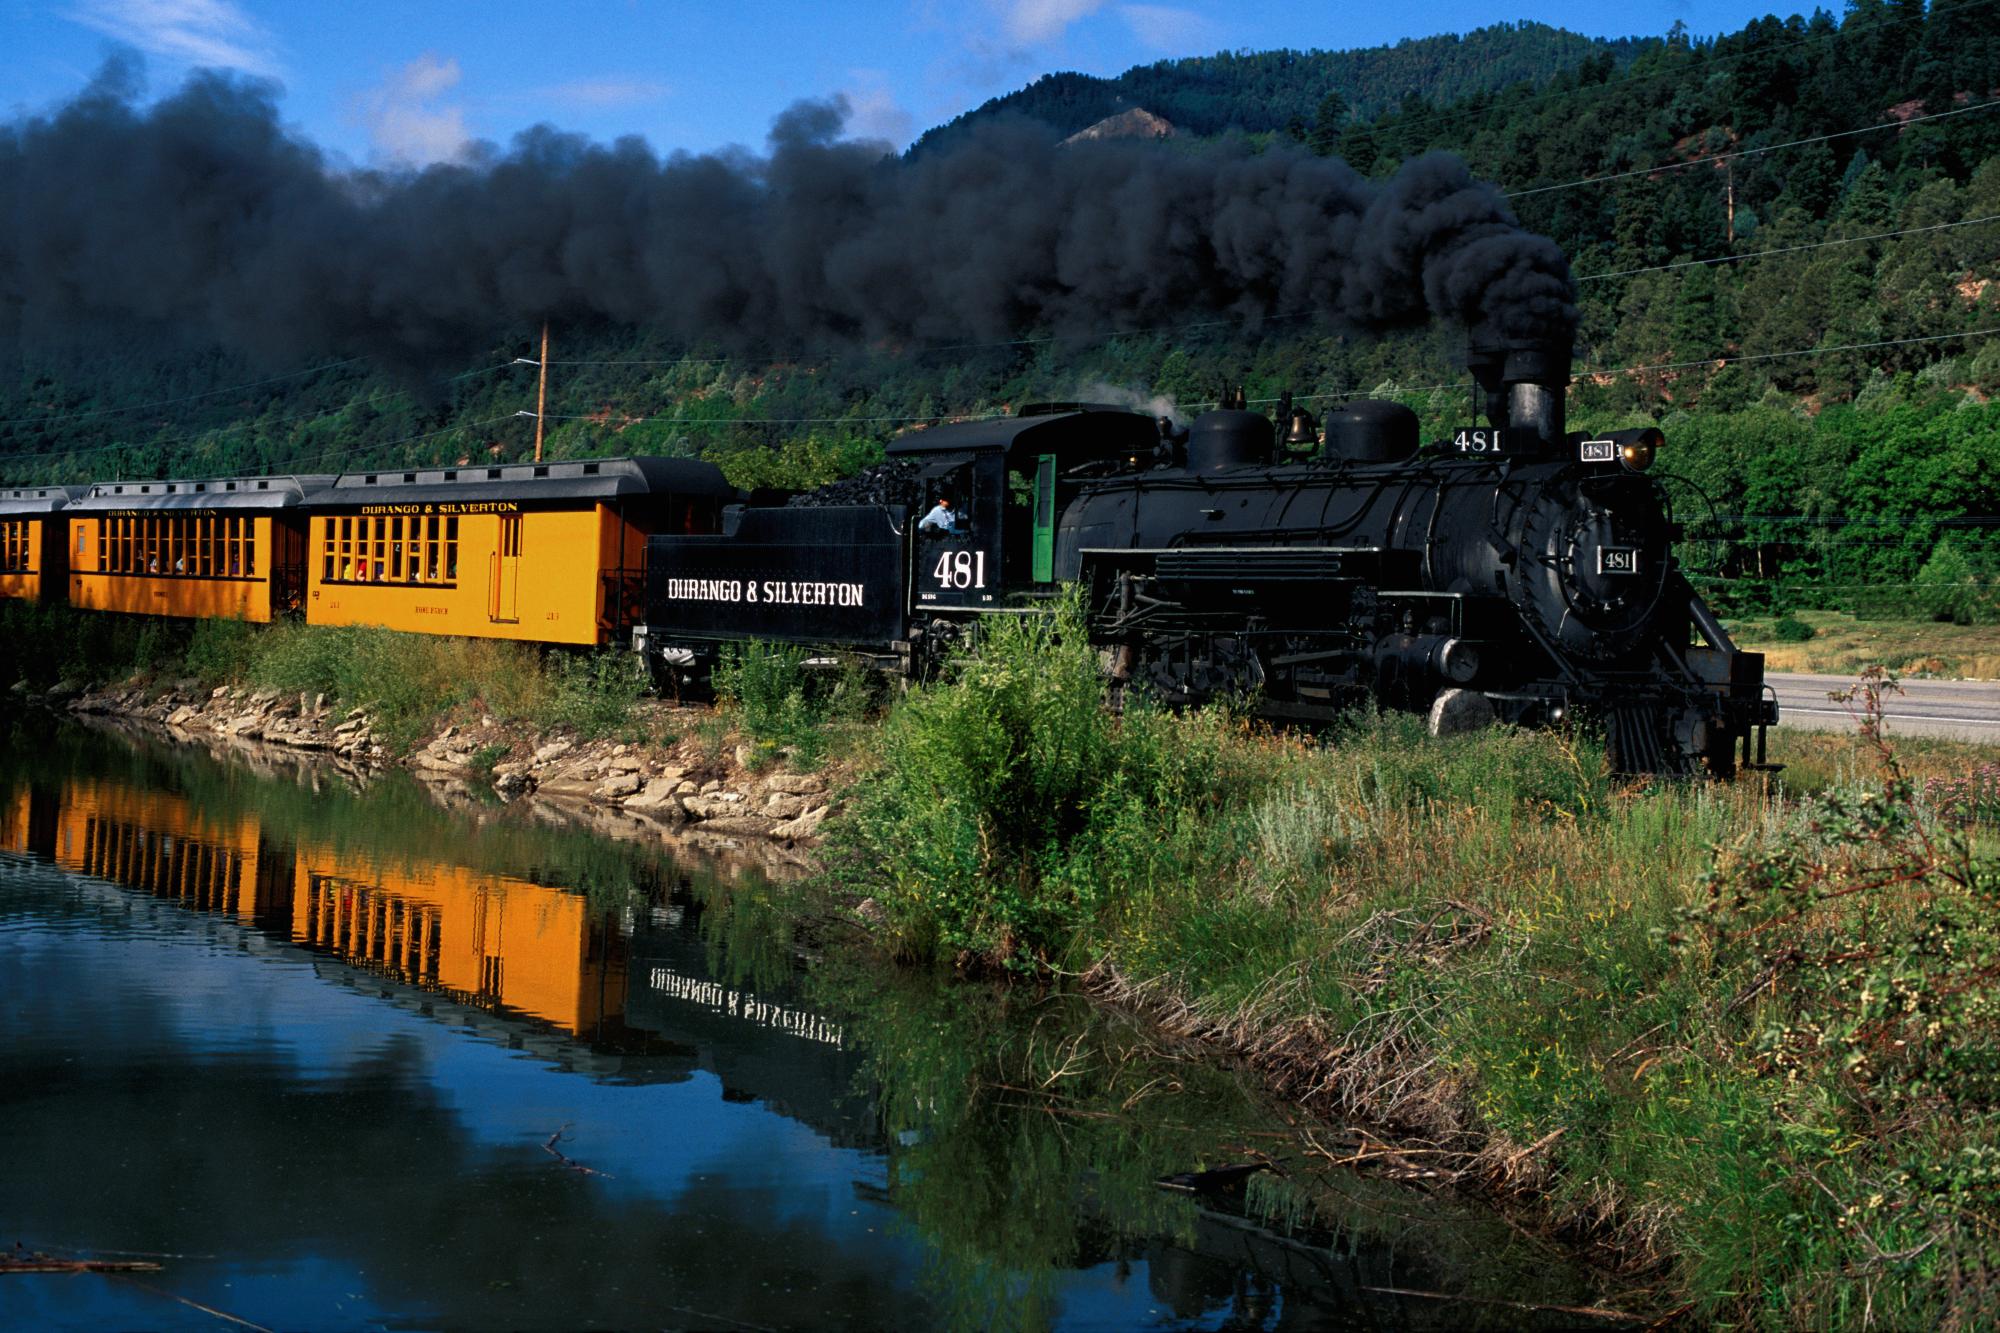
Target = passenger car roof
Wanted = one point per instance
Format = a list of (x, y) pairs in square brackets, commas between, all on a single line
[(18, 501), (201, 493), (587, 479)]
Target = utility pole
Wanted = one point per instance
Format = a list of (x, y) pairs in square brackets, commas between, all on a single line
[(542, 391), (1729, 169)]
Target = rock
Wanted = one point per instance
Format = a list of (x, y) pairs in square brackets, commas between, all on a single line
[(673, 772), (658, 797), (263, 698), (622, 764), (871, 911), (319, 703), (486, 720), (619, 749), (744, 826), (624, 784), (446, 734), (513, 784), (1456, 711), (352, 713), (711, 786), (778, 805), (745, 756), (508, 770), (685, 788), (349, 727), (715, 804), (218, 692), (20, 687), (805, 826), (795, 784), (183, 715), (553, 751)]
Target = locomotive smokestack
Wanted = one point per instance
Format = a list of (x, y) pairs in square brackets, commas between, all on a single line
[(1526, 383)]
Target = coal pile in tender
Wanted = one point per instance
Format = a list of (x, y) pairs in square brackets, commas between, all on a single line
[(892, 483)]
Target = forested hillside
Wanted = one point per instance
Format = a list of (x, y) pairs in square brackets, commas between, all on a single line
[(1786, 242), (1288, 91)]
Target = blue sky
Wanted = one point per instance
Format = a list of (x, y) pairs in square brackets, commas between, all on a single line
[(412, 82)]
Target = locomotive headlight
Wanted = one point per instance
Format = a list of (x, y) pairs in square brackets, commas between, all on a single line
[(1636, 447)]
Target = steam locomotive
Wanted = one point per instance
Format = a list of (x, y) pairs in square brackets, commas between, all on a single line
[(1516, 571)]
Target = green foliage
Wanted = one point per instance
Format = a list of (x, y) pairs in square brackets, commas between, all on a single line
[(488, 758), (777, 702), (1948, 588), (1009, 805), (1788, 628), (1868, 939), (592, 694)]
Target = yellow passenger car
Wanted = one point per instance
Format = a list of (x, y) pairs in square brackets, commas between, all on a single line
[(32, 544), (489, 940), (551, 552), (231, 547)]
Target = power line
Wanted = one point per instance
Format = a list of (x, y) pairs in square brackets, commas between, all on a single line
[(1787, 249), (1719, 361), (1752, 152), (634, 419), (362, 451)]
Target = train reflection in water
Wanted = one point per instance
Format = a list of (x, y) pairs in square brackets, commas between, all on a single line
[(623, 996)]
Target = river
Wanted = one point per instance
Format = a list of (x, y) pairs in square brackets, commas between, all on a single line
[(339, 1055)]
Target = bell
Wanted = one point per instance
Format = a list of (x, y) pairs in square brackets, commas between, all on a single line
[(1302, 430)]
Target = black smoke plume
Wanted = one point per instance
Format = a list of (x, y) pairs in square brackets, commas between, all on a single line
[(202, 213)]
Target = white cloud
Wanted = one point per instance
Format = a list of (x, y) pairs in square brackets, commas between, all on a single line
[(1165, 28), (1036, 22), (406, 118), (608, 91), (197, 32), (872, 109)]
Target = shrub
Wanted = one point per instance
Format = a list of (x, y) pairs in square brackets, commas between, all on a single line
[(1863, 942), (218, 650), (779, 703), (593, 694), (1947, 587), (1788, 628), (1009, 805)]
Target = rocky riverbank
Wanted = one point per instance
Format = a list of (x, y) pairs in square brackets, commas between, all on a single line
[(707, 787)]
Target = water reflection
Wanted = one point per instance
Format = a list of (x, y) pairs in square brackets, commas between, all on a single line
[(323, 1036)]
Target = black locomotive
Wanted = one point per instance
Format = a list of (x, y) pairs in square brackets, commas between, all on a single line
[(1516, 571)]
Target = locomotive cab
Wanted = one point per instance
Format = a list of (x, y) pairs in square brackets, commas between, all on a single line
[(1008, 480)]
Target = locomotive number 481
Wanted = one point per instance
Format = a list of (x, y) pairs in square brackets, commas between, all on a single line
[(1479, 440), (961, 569)]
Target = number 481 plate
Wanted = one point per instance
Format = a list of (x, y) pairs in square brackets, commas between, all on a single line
[(1618, 560)]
